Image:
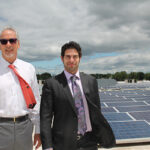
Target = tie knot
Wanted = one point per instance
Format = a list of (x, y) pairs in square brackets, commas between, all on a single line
[(73, 78), (11, 66)]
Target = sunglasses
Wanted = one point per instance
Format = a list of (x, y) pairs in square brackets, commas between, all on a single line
[(5, 41)]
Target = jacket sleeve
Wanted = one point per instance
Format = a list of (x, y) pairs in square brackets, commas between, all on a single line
[(46, 115), (104, 131)]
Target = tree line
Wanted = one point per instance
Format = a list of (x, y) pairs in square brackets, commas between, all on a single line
[(123, 75), (118, 76)]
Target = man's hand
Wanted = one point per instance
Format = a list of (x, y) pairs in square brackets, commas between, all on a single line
[(37, 141)]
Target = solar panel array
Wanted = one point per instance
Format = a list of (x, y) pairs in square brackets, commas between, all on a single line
[(127, 109)]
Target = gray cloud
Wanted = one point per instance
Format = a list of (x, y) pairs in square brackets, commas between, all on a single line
[(100, 26), (129, 62)]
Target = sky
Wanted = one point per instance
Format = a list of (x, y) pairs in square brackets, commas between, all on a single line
[(114, 34)]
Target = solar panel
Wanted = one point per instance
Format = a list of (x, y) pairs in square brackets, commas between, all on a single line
[(108, 109), (141, 98), (133, 108), (130, 129), (127, 109), (147, 101), (117, 116), (106, 82), (116, 101), (125, 104), (141, 115)]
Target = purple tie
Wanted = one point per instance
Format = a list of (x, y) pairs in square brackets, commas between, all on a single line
[(79, 105)]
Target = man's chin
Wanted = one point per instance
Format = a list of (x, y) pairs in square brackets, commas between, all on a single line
[(72, 70), (9, 56)]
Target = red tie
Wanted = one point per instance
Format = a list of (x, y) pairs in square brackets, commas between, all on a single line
[(26, 89)]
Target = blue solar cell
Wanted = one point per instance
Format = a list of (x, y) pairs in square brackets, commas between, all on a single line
[(131, 129), (110, 97), (141, 115), (117, 116), (133, 108), (116, 100), (128, 99), (142, 98), (108, 109), (133, 96), (125, 104)]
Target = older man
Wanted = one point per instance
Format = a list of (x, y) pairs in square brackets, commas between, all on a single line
[(19, 97)]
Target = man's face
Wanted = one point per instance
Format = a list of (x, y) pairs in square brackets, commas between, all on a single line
[(9, 48), (71, 60)]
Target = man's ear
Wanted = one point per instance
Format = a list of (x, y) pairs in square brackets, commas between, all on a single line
[(18, 44), (0, 46)]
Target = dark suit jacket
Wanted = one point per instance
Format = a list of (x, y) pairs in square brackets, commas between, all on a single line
[(59, 123)]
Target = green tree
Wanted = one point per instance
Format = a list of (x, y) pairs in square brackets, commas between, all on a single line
[(132, 75), (38, 77), (43, 76), (120, 76), (147, 76), (140, 75)]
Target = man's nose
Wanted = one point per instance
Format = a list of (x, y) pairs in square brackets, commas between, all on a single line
[(8, 43), (71, 59)]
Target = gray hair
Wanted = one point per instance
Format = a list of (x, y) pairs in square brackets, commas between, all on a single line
[(12, 29)]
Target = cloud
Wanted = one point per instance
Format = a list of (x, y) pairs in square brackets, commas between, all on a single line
[(99, 26), (129, 62)]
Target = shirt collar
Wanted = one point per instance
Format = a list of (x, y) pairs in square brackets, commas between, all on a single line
[(68, 75), (15, 63), (5, 63)]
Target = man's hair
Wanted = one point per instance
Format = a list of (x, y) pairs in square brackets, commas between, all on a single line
[(71, 45), (9, 28)]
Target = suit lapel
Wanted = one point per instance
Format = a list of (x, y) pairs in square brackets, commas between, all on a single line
[(67, 91), (84, 83), (85, 86)]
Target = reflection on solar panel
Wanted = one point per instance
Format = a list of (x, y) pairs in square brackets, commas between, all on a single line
[(127, 109)]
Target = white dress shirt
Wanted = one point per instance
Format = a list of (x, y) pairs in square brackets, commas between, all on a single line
[(12, 102)]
